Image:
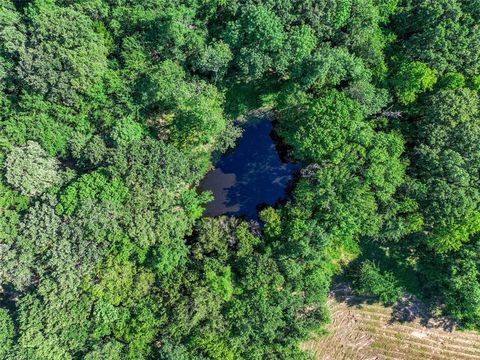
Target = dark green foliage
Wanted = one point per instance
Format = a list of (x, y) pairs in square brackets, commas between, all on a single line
[(373, 282), (259, 37), (6, 333), (443, 34), (448, 161), (442, 126)]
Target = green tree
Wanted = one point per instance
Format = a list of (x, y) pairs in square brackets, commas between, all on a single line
[(30, 169), (63, 57), (440, 34), (374, 282), (6, 333), (448, 166), (215, 60), (93, 186), (258, 39), (413, 79)]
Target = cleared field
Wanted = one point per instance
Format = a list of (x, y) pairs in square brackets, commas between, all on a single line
[(361, 330)]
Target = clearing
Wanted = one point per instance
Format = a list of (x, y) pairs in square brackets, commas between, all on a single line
[(367, 331)]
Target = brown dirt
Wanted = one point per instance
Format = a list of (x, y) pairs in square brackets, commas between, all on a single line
[(361, 330)]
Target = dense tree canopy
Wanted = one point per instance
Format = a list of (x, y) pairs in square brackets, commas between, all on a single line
[(112, 111)]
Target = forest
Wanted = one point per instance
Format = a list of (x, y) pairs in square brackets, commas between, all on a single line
[(112, 112)]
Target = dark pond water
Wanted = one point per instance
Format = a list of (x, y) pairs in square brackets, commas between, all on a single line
[(250, 175)]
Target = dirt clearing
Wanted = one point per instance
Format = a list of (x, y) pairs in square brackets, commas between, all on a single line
[(367, 331)]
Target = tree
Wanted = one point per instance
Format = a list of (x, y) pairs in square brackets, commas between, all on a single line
[(373, 282), (215, 59), (453, 81), (127, 131), (325, 16), (413, 79), (92, 187), (6, 333), (63, 57), (29, 169), (440, 34), (190, 112), (447, 165), (258, 39), (12, 38)]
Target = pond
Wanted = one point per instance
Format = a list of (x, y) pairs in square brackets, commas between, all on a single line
[(251, 175)]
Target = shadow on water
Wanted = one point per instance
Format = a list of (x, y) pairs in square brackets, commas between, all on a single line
[(253, 174)]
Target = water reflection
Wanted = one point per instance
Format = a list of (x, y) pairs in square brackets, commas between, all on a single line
[(251, 174)]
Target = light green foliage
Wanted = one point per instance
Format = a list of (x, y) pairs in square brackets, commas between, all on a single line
[(273, 222), (386, 8), (333, 131), (122, 284), (46, 123), (200, 119), (259, 38), (190, 111), (302, 42), (127, 131), (63, 57), (58, 307), (30, 169), (221, 282), (91, 187), (335, 66), (454, 236), (476, 82), (453, 81), (413, 79), (192, 203), (322, 133), (215, 60)]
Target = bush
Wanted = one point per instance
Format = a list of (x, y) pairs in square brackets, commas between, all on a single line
[(382, 285)]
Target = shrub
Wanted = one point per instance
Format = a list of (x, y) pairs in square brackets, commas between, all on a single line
[(382, 285)]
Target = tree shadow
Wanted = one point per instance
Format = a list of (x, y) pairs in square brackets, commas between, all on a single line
[(409, 309), (406, 310), (343, 292)]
